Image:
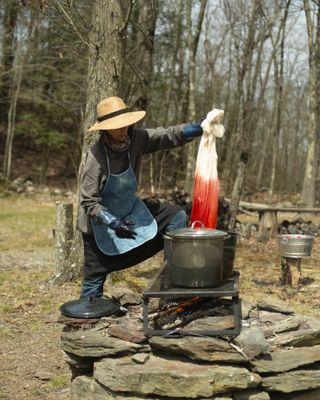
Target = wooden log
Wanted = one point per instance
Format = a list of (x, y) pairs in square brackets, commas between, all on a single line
[(268, 225), (290, 271)]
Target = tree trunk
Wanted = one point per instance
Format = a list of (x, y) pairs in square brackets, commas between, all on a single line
[(105, 66), (65, 268), (193, 42), (317, 61), (290, 271), (174, 58), (145, 17), (8, 45), (15, 81), (244, 129), (11, 120), (309, 182), (278, 73), (237, 190)]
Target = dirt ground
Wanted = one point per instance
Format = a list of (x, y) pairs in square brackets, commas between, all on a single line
[(32, 363)]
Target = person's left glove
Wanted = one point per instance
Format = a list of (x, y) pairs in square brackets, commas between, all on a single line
[(191, 131), (121, 226)]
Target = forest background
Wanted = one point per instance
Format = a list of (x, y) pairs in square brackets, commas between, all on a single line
[(257, 60)]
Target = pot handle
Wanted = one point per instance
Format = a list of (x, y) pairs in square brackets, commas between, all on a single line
[(194, 222)]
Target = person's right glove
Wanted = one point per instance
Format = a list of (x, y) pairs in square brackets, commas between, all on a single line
[(119, 225), (191, 131)]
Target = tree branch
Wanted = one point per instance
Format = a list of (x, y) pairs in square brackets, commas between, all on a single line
[(126, 21), (70, 22)]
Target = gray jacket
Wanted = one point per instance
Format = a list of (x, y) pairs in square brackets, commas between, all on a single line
[(143, 141)]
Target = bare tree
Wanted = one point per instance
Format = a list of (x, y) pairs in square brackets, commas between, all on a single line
[(193, 41), (106, 54), (8, 52), (308, 194), (278, 102), (139, 56)]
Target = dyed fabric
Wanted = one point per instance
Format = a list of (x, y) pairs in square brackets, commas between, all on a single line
[(206, 182)]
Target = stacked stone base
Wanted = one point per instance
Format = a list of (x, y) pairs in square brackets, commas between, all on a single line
[(276, 356)]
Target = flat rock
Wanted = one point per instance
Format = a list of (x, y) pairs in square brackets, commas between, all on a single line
[(43, 375), (309, 322), (86, 388), (275, 307), (171, 378), (303, 337), (293, 381), (197, 348), (286, 360), (285, 325), (307, 395), (271, 317), (124, 295), (97, 344), (251, 394), (211, 323), (140, 358), (252, 342), (246, 307), (129, 330)]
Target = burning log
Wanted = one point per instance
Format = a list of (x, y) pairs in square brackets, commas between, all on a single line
[(180, 314)]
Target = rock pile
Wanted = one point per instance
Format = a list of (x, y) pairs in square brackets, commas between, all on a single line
[(276, 356)]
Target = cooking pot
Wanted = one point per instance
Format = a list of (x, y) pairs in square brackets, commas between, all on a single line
[(195, 256), (229, 253)]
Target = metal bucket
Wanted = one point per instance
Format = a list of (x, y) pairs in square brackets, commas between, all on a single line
[(229, 253), (295, 246)]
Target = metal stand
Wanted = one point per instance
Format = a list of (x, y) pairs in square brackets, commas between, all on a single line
[(162, 288)]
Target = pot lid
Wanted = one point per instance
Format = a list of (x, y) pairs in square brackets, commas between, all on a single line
[(90, 307), (196, 233)]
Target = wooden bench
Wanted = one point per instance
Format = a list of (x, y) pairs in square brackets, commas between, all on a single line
[(268, 221)]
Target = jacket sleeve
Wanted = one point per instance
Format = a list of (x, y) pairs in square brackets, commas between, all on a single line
[(162, 138), (90, 199)]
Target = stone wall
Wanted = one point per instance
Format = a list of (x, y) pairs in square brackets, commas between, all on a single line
[(276, 356)]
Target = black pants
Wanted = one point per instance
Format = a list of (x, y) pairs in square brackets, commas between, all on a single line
[(97, 263)]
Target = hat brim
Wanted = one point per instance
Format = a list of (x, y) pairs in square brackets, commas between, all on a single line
[(120, 121)]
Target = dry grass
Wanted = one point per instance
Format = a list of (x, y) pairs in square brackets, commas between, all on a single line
[(26, 224), (260, 269)]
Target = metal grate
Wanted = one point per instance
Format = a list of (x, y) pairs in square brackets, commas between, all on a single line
[(163, 288)]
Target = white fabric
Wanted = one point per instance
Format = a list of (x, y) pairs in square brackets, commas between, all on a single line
[(207, 159)]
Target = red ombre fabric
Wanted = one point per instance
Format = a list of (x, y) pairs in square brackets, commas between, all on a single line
[(206, 182)]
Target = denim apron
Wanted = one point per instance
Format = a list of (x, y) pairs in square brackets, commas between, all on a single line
[(118, 196)]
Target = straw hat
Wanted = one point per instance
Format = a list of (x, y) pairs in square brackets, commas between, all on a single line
[(113, 113)]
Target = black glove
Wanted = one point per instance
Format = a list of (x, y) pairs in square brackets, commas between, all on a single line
[(120, 226)]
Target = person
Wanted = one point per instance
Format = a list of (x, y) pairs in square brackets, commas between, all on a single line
[(119, 229)]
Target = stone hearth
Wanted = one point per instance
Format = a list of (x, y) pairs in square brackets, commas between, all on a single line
[(276, 356)]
